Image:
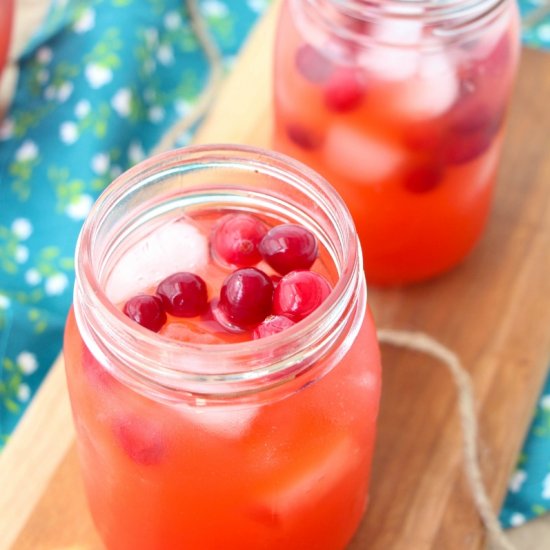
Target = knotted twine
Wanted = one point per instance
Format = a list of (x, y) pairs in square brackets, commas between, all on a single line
[(416, 341)]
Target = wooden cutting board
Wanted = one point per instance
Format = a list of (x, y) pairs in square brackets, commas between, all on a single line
[(493, 310)]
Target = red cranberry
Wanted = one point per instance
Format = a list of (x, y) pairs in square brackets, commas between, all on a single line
[(235, 239), (463, 148), (469, 115), (312, 65), (299, 293), (246, 297), (472, 126), (345, 90), (272, 325), (289, 246), (304, 138), (183, 294), (467, 139), (146, 310), (219, 315), (422, 178), (141, 441)]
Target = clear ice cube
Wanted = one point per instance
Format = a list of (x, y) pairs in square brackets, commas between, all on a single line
[(359, 157), (431, 92), (173, 247), (227, 422)]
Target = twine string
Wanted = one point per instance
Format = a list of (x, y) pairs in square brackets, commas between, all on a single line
[(424, 343), (416, 341), (214, 59)]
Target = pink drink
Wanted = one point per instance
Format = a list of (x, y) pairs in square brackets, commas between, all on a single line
[(401, 106), (198, 436)]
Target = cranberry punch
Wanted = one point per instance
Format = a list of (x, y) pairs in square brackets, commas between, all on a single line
[(222, 363), (401, 106)]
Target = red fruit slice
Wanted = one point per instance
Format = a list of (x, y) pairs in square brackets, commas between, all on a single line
[(299, 293)]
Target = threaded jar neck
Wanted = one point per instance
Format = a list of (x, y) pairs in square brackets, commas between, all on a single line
[(204, 177)]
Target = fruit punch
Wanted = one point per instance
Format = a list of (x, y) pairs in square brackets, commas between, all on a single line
[(401, 106), (222, 364)]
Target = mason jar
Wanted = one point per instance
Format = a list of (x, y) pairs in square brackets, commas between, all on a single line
[(401, 106), (187, 442)]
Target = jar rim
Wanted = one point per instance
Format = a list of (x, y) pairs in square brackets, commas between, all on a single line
[(448, 19), (430, 9), (90, 298)]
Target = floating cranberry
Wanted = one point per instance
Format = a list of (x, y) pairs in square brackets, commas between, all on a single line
[(183, 294), (272, 325), (471, 133), (345, 90), (304, 138), (141, 441), (312, 65), (465, 132), (235, 239), (246, 297), (423, 177), (463, 148), (425, 137), (470, 115), (219, 315), (148, 311), (289, 246), (299, 293)]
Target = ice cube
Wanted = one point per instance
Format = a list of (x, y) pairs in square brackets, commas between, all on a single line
[(431, 92), (313, 480), (226, 421), (176, 246), (360, 157), (398, 31), (390, 63)]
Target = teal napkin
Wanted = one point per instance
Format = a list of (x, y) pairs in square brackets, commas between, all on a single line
[(535, 16)]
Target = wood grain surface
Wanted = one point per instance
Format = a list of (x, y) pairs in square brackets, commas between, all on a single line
[(493, 310)]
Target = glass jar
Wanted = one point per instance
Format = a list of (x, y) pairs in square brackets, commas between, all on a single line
[(400, 105), (256, 444)]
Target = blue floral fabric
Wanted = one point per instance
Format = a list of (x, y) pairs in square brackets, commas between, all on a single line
[(529, 487), (536, 23), (99, 85)]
